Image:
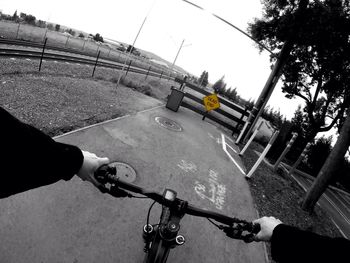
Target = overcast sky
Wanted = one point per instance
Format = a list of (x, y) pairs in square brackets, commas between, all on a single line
[(210, 44)]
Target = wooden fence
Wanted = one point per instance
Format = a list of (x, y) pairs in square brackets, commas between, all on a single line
[(234, 123)]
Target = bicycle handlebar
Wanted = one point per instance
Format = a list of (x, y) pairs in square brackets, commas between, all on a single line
[(104, 175)]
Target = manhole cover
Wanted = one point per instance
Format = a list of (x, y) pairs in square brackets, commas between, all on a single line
[(168, 124), (124, 171)]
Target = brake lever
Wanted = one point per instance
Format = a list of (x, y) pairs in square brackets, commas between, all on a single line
[(102, 174), (238, 231)]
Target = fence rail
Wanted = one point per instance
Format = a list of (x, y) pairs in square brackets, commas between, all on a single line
[(199, 100)]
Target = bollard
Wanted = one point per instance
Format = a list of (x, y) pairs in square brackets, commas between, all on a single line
[(93, 72), (262, 156), (241, 134), (302, 155), (286, 150), (42, 54), (127, 70), (250, 139)]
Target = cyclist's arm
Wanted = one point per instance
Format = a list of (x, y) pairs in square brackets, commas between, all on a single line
[(290, 244), (31, 159)]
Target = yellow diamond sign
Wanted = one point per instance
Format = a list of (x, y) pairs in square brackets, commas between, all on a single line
[(211, 102)]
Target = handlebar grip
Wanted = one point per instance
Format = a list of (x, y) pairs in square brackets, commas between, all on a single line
[(255, 228), (102, 171)]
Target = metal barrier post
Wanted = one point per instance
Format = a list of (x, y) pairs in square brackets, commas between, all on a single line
[(286, 150), (262, 156), (250, 139), (42, 54), (93, 72), (302, 155)]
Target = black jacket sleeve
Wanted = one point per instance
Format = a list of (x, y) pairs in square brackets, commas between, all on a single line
[(31, 159), (290, 244)]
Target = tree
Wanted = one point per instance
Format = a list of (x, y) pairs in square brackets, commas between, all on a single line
[(318, 153), (317, 69), (41, 23), (203, 79), (81, 35), (330, 167), (50, 26), (98, 38), (30, 19), (15, 16), (22, 15), (71, 31), (219, 85), (57, 27), (233, 94)]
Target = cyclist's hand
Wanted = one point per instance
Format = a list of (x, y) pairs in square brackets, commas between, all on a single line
[(267, 225), (90, 164)]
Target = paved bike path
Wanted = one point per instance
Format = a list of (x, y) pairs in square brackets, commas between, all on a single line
[(73, 222)]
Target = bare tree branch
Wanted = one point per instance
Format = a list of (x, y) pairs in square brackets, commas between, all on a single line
[(340, 113)]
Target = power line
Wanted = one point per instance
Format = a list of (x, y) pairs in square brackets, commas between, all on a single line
[(232, 25)]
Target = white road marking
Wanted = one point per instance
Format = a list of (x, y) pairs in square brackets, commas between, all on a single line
[(334, 195), (12, 58), (229, 155), (336, 208), (229, 139), (341, 232), (104, 122), (187, 166), (229, 146), (28, 59), (216, 193)]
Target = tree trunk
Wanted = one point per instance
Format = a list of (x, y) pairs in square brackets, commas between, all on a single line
[(329, 168)]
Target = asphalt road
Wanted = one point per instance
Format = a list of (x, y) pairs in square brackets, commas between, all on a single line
[(335, 202), (73, 222)]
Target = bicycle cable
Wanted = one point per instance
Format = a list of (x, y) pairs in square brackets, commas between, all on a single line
[(149, 212), (211, 221)]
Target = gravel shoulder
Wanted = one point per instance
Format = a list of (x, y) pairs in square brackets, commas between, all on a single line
[(276, 194), (64, 96)]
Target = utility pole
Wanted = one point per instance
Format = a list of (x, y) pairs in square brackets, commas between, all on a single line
[(178, 52), (129, 53)]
